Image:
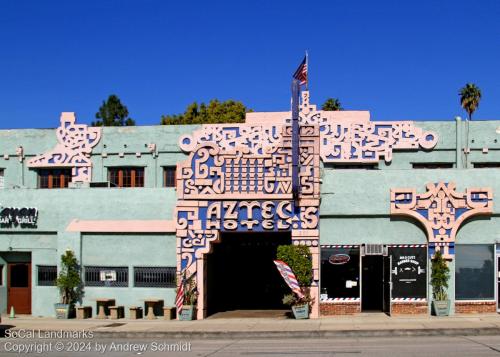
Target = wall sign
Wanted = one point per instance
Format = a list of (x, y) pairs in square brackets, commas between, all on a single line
[(409, 271), (339, 259), (25, 217), (107, 275)]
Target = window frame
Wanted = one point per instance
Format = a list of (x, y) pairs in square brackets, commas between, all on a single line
[(169, 271), (65, 177), (96, 269), (494, 274), (432, 165), (121, 173), (46, 282), (165, 171)]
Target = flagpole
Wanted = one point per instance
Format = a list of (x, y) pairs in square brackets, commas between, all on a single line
[(307, 66)]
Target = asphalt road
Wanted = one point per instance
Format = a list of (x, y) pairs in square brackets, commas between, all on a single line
[(397, 346)]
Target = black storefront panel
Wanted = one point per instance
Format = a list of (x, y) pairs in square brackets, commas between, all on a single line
[(409, 271)]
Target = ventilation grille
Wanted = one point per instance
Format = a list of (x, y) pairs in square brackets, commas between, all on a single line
[(374, 249)]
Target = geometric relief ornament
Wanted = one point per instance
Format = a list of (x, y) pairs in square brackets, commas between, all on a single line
[(73, 150), (362, 140), (441, 210)]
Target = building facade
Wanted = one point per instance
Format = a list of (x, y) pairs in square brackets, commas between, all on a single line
[(141, 205)]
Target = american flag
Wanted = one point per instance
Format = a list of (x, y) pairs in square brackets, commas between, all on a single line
[(301, 72), (287, 274), (179, 298)]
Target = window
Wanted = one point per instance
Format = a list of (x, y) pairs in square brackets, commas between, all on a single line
[(2, 185), (487, 165), (126, 176), (339, 273), (157, 277), (169, 177), (1, 275), (47, 275), (353, 167), (474, 272), (106, 276), (54, 178), (432, 165)]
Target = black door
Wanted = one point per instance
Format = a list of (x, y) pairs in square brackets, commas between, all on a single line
[(387, 284), (372, 283), (498, 277)]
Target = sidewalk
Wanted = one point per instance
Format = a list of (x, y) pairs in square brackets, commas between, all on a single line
[(363, 325)]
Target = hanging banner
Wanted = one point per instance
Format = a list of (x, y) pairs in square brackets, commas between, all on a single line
[(290, 279)]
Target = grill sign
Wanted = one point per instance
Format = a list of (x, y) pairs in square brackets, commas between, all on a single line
[(339, 259), (23, 217)]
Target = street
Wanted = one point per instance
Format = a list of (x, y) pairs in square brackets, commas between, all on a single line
[(397, 346)]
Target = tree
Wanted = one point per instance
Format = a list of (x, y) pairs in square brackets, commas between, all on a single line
[(332, 104), (470, 95), (68, 281), (113, 113), (215, 112)]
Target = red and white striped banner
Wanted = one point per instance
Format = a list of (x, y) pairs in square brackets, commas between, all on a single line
[(287, 274)]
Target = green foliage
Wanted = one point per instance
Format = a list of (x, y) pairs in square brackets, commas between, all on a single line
[(293, 300), (215, 112), (69, 281), (113, 113), (298, 257), (332, 104), (470, 95), (440, 273)]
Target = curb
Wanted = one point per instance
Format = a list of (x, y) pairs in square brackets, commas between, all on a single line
[(239, 335)]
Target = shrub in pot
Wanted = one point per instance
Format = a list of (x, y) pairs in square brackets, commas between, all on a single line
[(440, 273), (69, 284), (298, 258)]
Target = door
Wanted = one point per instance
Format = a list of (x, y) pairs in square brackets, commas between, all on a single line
[(372, 283), (498, 283), (19, 287), (387, 281)]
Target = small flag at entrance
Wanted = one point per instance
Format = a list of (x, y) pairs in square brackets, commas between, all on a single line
[(287, 274), (301, 72), (179, 298)]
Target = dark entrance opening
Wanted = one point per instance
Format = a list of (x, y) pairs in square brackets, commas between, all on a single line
[(372, 283), (241, 274)]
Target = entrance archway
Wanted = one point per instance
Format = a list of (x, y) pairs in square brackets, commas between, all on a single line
[(241, 274)]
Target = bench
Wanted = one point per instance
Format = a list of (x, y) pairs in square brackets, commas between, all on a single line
[(169, 313), (116, 312), (83, 312), (135, 312)]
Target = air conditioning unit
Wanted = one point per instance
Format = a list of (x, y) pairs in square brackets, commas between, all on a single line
[(374, 249)]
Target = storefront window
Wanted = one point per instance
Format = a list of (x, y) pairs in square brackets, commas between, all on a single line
[(340, 273), (474, 272)]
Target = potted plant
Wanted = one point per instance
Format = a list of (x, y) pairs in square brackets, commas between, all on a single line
[(440, 273), (298, 258), (188, 310), (69, 284)]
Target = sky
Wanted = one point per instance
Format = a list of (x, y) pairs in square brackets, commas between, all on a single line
[(401, 60)]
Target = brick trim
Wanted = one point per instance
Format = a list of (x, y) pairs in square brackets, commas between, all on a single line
[(409, 308), (475, 307), (343, 308)]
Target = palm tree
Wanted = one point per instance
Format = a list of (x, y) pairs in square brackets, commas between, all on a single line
[(470, 95), (332, 104)]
